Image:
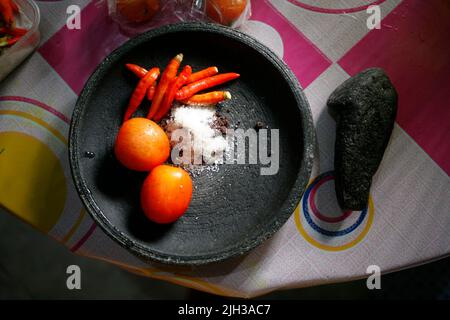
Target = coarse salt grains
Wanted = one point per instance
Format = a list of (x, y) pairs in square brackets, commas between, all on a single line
[(205, 141)]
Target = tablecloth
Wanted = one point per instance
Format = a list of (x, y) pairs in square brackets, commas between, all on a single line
[(407, 221)]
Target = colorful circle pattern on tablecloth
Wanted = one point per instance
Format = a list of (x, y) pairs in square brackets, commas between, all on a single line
[(330, 233), (320, 7), (265, 33), (35, 182)]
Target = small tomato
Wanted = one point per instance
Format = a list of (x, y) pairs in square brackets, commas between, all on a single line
[(141, 144), (166, 194)]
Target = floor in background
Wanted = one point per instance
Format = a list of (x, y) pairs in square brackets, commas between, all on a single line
[(32, 266)]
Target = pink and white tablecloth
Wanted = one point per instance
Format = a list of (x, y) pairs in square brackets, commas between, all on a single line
[(324, 42)]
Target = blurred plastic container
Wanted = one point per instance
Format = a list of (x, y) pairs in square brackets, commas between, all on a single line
[(231, 13), (137, 16), (29, 18)]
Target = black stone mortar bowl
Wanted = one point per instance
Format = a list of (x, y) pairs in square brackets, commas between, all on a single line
[(233, 209)]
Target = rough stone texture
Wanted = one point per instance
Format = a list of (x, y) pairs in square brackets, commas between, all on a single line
[(365, 107)]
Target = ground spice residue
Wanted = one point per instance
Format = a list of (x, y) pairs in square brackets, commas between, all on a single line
[(206, 129)]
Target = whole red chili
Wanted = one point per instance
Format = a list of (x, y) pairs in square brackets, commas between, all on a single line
[(166, 78), (171, 91), (140, 91), (195, 76), (205, 73), (137, 70), (191, 89), (208, 98)]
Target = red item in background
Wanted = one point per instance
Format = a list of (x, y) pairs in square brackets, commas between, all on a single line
[(138, 10), (9, 34), (12, 40), (17, 32), (14, 6), (133, 20), (225, 12), (6, 12)]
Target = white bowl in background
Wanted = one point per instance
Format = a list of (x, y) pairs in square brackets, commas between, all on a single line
[(29, 18)]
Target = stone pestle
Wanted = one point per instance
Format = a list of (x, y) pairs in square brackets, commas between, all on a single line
[(365, 107)]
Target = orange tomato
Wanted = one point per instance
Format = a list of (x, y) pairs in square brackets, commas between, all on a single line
[(166, 194), (141, 144), (225, 11), (138, 10)]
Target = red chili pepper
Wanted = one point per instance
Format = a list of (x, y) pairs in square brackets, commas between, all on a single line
[(7, 12), (176, 84), (137, 70), (205, 73), (140, 73), (7, 42), (191, 89), (208, 98), (139, 93), (13, 40), (14, 6), (13, 31), (151, 92), (167, 76)]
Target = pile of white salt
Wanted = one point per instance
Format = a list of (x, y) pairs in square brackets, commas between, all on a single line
[(199, 139)]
